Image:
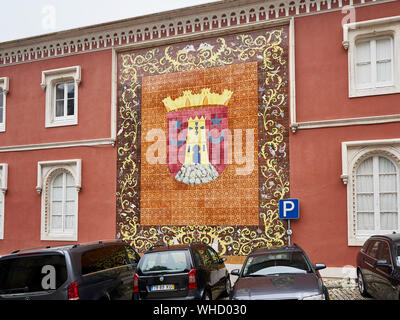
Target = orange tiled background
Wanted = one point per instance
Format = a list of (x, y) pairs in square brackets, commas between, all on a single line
[(229, 200)]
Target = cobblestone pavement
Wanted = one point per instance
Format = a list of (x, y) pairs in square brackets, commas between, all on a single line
[(343, 290)]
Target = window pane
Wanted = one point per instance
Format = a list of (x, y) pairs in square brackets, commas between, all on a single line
[(70, 180), (384, 71), (365, 184), (363, 74), (57, 193), (388, 202), (365, 167), (58, 181), (71, 107), (56, 222), (386, 166), (69, 222), (56, 207), (60, 91), (387, 183), (365, 202), (1, 114), (1, 98), (383, 49), (70, 207), (363, 52), (71, 90), (60, 108), (365, 221), (389, 221)]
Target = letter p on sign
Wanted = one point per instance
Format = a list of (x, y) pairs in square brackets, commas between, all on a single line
[(289, 209)]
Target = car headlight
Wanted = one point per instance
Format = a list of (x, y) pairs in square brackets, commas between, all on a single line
[(315, 297)]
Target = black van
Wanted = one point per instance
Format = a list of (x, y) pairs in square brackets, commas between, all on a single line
[(102, 270), (188, 272)]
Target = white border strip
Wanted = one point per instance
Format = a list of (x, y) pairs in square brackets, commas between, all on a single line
[(57, 145)]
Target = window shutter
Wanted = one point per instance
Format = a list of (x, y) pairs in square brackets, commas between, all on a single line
[(363, 63), (384, 60)]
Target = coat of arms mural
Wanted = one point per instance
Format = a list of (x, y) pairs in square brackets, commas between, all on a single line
[(196, 138)]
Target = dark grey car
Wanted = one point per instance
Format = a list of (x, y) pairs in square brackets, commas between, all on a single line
[(91, 271), (284, 273)]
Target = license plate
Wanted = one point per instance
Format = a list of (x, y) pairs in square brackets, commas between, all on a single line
[(162, 287)]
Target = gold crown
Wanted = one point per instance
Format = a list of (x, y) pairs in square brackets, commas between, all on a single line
[(206, 97)]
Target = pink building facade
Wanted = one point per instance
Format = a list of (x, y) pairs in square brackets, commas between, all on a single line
[(319, 81)]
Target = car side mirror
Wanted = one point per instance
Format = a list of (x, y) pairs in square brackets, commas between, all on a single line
[(235, 272), (382, 263), (222, 260), (319, 266)]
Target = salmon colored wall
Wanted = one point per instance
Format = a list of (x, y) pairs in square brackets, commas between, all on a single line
[(25, 118), (315, 154), (321, 68), (97, 211)]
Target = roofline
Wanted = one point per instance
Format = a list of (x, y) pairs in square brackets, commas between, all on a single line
[(122, 23)]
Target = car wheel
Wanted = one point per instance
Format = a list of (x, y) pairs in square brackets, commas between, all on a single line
[(361, 284)]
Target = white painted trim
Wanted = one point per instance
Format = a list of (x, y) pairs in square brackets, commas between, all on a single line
[(57, 145), (365, 24), (370, 30), (4, 87), (347, 122), (114, 93), (3, 190), (45, 170), (292, 74), (352, 153), (49, 80)]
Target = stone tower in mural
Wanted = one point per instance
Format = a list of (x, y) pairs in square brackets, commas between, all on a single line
[(196, 142)]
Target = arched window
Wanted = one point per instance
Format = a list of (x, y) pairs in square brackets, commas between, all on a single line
[(63, 204), (377, 196)]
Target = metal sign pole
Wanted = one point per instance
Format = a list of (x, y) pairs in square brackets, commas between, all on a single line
[(289, 232)]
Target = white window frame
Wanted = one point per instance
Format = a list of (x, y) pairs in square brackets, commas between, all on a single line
[(3, 190), (50, 78), (353, 153), (4, 88), (46, 172), (372, 30)]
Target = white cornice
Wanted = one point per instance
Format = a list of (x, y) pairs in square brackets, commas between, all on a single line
[(192, 20)]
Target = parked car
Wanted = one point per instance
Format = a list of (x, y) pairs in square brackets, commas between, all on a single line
[(90, 271), (284, 273), (193, 271), (378, 267)]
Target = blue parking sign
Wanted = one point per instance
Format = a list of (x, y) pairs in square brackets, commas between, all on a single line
[(289, 209)]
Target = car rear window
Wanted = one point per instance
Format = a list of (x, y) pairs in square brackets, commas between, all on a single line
[(100, 259), (276, 263), (398, 255), (164, 261), (31, 273)]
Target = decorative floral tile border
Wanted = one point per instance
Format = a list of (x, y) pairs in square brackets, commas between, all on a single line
[(269, 48)]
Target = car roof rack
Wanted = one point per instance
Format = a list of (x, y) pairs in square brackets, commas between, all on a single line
[(35, 248)]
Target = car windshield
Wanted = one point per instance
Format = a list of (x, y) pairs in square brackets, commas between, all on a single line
[(29, 273), (276, 263), (164, 261)]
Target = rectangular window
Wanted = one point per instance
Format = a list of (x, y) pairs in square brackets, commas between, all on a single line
[(374, 63), (64, 100)]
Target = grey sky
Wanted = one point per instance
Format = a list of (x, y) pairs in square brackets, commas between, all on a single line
[(26, 18)]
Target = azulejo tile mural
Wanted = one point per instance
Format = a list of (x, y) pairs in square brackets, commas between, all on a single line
[(194, 98)]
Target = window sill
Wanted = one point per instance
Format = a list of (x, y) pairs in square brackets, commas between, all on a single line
[(358, 93), (63, 123), (59, 237)]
